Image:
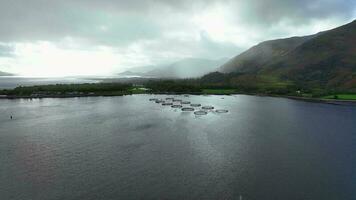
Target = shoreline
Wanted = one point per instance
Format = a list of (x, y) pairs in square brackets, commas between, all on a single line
[(307, 99)]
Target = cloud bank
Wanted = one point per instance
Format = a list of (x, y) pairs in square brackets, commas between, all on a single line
[(118, 34)]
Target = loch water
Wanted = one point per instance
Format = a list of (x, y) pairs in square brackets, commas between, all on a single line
[(128, 147)]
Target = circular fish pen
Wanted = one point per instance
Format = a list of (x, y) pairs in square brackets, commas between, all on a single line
[(187, 109), (200, 112), (208, 107), (221, 111), (176, 106), (159, 101), (195, 105), (167, 104), (185, 102)]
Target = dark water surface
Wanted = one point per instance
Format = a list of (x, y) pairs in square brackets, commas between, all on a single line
[(129, 148)]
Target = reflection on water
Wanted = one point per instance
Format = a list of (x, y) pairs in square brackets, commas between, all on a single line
[(131, 148)]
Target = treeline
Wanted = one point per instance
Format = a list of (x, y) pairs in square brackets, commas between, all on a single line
[(241, 83), (68, 88)]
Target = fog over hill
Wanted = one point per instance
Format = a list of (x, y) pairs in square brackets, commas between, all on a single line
[(186, 68)]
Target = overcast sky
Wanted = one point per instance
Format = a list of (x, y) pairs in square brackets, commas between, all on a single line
[(101, 37)]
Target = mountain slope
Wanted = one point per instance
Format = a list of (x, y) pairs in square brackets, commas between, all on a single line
[(325, 60), (5, 74), (262, 54)]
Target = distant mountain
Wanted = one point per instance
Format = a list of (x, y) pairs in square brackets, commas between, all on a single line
[(132, 73), (325, 60), (5, 74), (186, 68)]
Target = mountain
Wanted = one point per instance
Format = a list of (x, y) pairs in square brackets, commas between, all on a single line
[(5, 74), (262, 54), (186, 68), (325, 60), (132, 74)]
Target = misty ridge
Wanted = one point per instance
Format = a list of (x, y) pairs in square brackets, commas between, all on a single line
[(186, 68)]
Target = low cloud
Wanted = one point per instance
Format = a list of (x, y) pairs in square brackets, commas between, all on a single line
[(6, 50)]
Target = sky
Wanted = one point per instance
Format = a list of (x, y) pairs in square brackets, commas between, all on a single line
[(104, 37)]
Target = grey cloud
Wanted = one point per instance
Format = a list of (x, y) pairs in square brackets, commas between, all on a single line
[(132, 20), (266, 13), (119, 23), (214, 49)]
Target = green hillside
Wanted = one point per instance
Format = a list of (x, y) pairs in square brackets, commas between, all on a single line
[(322, 62)]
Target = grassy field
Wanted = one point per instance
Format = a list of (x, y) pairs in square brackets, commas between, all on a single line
[(218, 91), (341, 97)]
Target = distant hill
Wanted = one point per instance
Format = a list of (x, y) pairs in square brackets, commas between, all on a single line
[(326, 60), (186, 68), (5, 74)]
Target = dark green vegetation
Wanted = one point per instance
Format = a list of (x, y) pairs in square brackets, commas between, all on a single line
[(320, 64), (341, 97), (62, 90)]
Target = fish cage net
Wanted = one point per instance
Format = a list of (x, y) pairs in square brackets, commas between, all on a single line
[(187, 109), (208, 107), (200, 112), (176, 106), (221, 111)]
